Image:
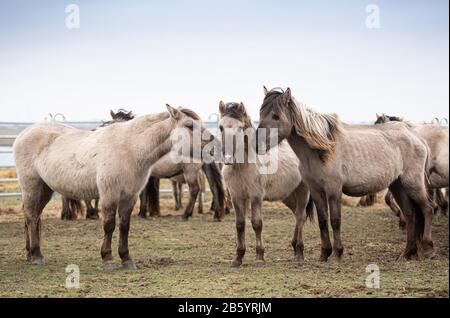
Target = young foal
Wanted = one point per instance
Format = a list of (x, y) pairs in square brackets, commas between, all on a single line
[(355, 160), (249, 187), (112, 163)]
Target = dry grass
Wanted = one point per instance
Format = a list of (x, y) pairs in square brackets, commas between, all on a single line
[(191, 259)]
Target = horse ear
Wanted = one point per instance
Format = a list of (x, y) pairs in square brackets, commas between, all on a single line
[(266, 91), (174, 113), (222, 108), (287, 96), (378, 116), (112, 114), (241, 108)]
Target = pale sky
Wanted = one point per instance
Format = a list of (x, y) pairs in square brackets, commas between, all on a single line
[(141, 55)]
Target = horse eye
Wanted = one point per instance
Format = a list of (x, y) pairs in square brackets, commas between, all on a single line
[(221, 128), (190, 125), (276, 117)]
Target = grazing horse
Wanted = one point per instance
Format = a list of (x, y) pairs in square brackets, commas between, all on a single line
[(355, 160), (111, 164), (249, 187), (437, 138)]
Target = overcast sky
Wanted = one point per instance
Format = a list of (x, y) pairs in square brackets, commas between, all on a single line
[(141, 55)]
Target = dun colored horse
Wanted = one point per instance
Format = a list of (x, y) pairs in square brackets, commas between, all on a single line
[(249, 187), (111, 164), (356, 160)]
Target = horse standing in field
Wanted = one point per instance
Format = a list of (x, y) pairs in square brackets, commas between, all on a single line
[(355, 160), (177, 190), (249, 187), (72, 208), (437, 138), (111, 164)]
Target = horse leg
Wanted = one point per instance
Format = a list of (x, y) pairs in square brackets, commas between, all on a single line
[(91, 211), (34, 203), (407, 209), (109, 224), (291, 203), (125, 209), (153, 196), (180, 194), (201, 183), (175, 194), (257, 225), (424, 221), (322, 215), (143, 198), (390, 201), (193, 192), (442, 202), (66, 213), (335, 218), (240, 208), (302, 200)]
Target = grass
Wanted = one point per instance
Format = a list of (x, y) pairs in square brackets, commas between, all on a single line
[(191, 259)]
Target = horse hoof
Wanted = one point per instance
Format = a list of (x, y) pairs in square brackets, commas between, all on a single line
[(184, 218), (260, 264), (235, 264), (142, 216), (130, 265), (299, 261), (109, 266), (428, 255), (37, 261), (217, 220)]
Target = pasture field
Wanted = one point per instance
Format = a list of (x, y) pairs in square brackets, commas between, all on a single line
[(191, 259)]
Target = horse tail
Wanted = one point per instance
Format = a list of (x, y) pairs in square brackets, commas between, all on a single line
[(214, 177), (310, 210)]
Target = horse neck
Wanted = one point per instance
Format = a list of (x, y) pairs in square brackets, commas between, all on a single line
[(153, 143), (303, 151)]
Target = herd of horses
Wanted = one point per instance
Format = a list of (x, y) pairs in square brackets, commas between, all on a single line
[(319, 158)]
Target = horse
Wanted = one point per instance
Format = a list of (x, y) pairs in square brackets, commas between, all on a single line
[(249, 187), (112, 164), (356, 160), (72, 208), (437, 138), (193, 174), (190, 171), (177, 190), (164, 167)]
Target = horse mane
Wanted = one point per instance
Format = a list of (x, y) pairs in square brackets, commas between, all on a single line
[(320, 131), (234, 110), (190, 113), (395, 119), (123, 115)]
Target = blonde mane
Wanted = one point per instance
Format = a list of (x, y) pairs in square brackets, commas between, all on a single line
[(320, 131)]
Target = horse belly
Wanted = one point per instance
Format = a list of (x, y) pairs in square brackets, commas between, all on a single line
[(370, 163), (69, 178), (280, 186)]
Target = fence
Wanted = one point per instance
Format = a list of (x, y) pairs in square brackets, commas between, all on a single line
[(9, 131)]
